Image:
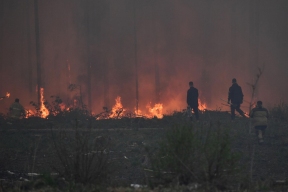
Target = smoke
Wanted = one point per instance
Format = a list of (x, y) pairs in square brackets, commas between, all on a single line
[(207, 42)]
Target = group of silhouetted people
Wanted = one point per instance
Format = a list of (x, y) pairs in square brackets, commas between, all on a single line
[(259, 114)]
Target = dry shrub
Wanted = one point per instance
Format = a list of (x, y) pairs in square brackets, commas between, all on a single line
[(280, 111), (190, 154), (83, 158)]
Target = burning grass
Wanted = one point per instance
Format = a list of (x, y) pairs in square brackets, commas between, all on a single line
[(57, 107), (130, 138)]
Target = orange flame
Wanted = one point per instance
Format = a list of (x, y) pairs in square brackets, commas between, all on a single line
[(156, 111), (6, 96), (201, 106), (138, 113), (117, 109), (29, 113), (43, 109)]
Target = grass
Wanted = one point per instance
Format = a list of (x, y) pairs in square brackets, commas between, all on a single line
[(279, 111), (130, 140), (195, 153)]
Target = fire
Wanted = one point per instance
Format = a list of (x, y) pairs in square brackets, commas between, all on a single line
[(117, 109), (6, 96), (138, 113), (62, 107), (202, 106), (43, 109), (157, 110), (29, 113)]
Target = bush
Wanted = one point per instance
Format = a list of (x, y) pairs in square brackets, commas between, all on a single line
[(190, 154), (280, 111), (83, 158)]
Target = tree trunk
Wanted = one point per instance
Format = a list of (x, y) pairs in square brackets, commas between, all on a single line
[(38, 62), (88, 57), (136, 59), (29, 59), (156, 64)]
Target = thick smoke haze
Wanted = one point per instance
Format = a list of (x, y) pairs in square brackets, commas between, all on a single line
[(105, 45)]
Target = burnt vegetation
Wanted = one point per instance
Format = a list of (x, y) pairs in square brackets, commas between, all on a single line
[(143, 51), (71, 149), (75, 150)]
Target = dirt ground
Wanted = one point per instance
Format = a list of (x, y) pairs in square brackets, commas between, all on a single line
[(26, 146)]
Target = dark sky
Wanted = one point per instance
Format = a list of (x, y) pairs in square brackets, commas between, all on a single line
[(204, 41)]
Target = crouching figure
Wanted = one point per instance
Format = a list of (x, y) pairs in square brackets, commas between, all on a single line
[(259, 116)]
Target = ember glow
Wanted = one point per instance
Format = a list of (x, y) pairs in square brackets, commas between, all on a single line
[(44, 111), (63, 107)]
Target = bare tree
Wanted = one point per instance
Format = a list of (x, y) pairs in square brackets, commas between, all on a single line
[(253, 86)]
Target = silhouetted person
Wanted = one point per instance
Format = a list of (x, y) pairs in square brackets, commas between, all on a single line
[(259, 117), (192, 100), (235, 95), (16, 110)]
